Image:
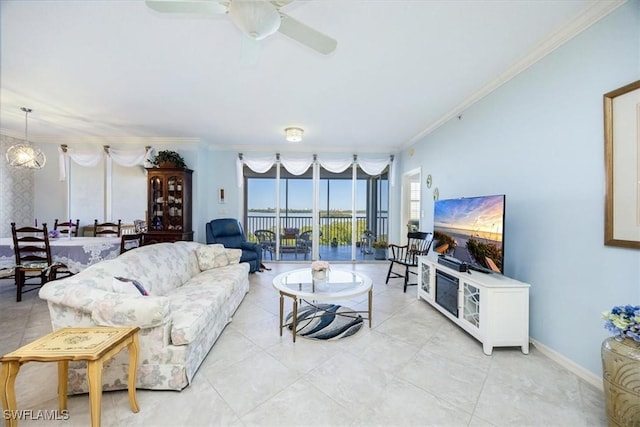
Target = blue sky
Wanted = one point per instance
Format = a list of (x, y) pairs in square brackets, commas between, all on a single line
[(261, 194)]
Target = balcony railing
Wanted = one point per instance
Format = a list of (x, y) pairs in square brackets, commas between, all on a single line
[(334, 230)]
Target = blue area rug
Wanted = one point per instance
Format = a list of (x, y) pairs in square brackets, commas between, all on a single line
[(326, 322)]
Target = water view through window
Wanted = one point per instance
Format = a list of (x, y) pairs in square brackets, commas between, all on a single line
[(335, 214)]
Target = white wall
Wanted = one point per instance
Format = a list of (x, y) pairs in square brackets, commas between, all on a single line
[(220, 173), (539, 140)]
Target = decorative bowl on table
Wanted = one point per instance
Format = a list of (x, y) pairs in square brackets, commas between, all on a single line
[(54, 234)]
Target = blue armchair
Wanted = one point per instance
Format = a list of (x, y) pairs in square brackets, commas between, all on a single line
[(228, 232)]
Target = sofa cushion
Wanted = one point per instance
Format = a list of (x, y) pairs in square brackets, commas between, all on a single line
[(131, 310), (189, 261), (211, 256), (195, 304), (160, 267), (234, 255)]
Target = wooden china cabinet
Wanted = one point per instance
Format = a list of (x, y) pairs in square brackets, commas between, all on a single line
[(169, 204)]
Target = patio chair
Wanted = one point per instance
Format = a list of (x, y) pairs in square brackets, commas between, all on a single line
[(267, 241), (406, 256), (229, 232), (305, 242)]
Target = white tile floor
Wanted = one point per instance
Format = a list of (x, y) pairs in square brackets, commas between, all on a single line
[(413, 368)]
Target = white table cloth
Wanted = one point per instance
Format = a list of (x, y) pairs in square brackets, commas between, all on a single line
[(76, 253)]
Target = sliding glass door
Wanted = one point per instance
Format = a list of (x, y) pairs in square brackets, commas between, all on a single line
[(349, 212)]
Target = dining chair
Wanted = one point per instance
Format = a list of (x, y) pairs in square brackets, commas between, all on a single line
[(67, 227), (33, 257), (130, 241), (406, 256), (107, 229), (148, 239)]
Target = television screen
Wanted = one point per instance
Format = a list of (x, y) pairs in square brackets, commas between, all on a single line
[(471, 230)]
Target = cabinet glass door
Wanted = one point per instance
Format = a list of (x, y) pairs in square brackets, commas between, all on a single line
[(471, 304), (174, 202), (156, 202), (426, 278)]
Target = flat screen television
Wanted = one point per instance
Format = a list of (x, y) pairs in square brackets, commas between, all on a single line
[(471, 229)]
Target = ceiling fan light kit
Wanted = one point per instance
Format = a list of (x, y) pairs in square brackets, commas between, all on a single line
[(294, 134), (25, 155), (257, 19)]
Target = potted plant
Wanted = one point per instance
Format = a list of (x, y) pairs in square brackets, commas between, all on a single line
[(169, 159), (380, 249)]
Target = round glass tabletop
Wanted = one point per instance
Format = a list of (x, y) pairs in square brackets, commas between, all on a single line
[(338, 284)]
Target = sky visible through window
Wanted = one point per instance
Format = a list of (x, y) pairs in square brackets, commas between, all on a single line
[(261, 194)]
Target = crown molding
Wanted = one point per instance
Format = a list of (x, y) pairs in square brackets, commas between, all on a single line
[(101, 140), (299, 148), (590, 16)]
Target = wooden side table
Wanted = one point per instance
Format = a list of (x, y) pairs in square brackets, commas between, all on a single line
[(94, 345)]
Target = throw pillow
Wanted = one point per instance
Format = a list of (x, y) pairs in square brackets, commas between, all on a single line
[(234, 255), (211, 256), (123, 285)]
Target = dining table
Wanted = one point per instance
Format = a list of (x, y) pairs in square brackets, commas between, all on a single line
[(77, 253)]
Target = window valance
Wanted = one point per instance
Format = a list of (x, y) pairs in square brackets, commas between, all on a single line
[(297, 164), (90, 157)]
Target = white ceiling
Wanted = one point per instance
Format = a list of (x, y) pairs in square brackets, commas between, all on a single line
[(119, 72)]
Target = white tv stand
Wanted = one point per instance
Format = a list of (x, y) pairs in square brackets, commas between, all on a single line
[(494, 309)]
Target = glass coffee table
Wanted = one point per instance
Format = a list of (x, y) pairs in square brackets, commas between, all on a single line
[(338, 285)]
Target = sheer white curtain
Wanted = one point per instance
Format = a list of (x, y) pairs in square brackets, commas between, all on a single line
[(98, 164)]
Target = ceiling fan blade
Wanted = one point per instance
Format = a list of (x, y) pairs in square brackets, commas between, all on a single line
[(280, 3), (249, 50), (306, 35), (187, 6)]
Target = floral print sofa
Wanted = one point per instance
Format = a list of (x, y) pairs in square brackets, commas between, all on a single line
[(193, 291)]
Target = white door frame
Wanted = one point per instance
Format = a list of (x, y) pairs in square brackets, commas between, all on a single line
[(413, 175)]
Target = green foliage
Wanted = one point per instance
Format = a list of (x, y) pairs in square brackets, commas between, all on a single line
[(380, 244), (440, 239), (171, 157), (480, 251)]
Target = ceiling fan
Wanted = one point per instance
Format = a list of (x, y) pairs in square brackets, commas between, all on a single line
[(257, 19)]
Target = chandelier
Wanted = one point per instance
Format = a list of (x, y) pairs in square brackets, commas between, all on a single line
[(26, 155)]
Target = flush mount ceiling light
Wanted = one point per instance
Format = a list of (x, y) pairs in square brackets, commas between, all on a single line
[(294, 134), (26, 155)]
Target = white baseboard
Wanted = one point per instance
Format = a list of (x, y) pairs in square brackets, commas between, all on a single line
[(576, 369)]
